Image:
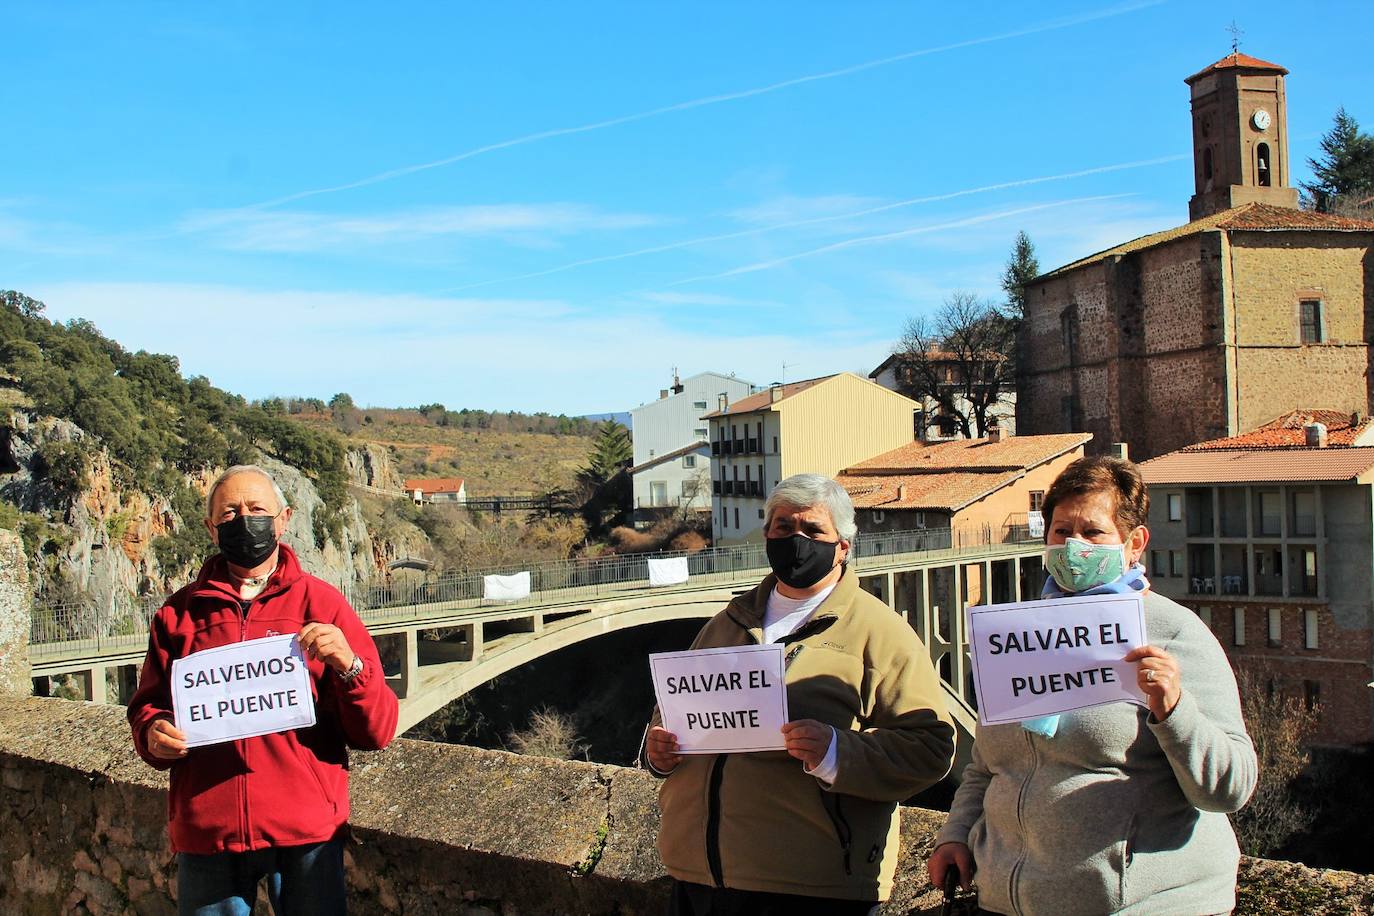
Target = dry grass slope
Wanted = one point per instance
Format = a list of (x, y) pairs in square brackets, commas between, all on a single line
[(493, 463)]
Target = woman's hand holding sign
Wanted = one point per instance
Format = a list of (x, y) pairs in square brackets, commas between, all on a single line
[(1159, 677), (807, 740)]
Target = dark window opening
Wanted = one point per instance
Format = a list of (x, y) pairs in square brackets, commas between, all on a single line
[(1262, 165), (1311, 694), (1207, 169), (1310, 320)]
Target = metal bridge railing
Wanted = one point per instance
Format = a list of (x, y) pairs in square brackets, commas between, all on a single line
[(84, 628)]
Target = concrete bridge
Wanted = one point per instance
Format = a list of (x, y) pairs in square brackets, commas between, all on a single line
[(440, 639)]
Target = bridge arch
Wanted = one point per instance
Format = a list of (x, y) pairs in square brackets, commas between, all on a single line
[(445, 682)]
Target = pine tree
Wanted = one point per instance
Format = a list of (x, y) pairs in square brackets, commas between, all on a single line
[(611, 451), (1022, 267), (1344, 172)]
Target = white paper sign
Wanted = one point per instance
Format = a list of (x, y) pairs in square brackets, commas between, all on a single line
[(245, 689), (730, 700), (669, 571), (1038, 658), (506, 588), (1035, 522)]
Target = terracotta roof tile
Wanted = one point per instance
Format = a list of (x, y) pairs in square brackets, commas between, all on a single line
[(1286, 432), (1247, 217), (1013, 453), (1237, 61), (1267, 217), (434, 484), (949, 475), (764, 398), (1259, 465), (949, 491)]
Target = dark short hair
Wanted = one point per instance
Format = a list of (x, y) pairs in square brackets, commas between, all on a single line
[(1101, 474)]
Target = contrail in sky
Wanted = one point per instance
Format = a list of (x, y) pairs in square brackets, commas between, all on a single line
[(1053, 25), (889, 236), (758, 230)]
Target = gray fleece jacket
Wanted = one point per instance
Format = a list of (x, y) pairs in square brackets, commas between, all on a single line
[(1118, 813)]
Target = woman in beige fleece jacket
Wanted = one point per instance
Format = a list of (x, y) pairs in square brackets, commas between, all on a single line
[(813, 829), (1114, 809)]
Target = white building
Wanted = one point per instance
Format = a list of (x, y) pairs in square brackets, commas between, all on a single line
[(672, 454), (933, 424)]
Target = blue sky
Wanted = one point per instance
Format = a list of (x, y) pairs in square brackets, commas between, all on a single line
[(548, 206)]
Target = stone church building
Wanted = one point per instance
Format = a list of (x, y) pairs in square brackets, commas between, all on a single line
[(1253, 308)]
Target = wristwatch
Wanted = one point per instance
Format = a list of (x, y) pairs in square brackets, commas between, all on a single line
[(353, 671)]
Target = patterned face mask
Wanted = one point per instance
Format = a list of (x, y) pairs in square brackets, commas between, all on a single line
[(1080, 565)]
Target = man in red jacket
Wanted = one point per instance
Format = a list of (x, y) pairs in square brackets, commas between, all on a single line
[(274, 806)]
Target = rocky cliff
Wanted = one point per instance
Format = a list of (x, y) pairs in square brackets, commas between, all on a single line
[(96, 541)]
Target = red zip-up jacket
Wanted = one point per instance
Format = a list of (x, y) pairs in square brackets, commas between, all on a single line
[(287, 789)]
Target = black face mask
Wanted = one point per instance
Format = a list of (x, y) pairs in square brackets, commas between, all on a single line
[(800, 562), (247, 540)]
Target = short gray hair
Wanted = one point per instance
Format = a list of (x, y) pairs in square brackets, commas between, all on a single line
[(809, 491), (235, 471)]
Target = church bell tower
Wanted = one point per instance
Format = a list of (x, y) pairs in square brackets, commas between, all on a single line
[(1240, 136)]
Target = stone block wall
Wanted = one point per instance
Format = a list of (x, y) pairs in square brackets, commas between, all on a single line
[(15, 603), (438, 829)]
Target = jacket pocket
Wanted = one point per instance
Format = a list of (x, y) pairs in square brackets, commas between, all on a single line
[(1125, 856), (311, 764)]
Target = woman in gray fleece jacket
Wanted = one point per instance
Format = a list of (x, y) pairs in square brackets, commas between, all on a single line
[(1113, 809)]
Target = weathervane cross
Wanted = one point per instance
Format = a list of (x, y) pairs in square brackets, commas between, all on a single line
[(1236, 32)]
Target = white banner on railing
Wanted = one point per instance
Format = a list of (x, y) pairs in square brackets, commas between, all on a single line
[(668, 571), (506, 588), (1035, 522)]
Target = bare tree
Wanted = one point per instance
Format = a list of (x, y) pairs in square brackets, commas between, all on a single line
[(1280, 725), (550, 734), (958, 358)]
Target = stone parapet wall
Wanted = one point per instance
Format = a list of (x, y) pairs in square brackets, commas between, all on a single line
[(438, 829)]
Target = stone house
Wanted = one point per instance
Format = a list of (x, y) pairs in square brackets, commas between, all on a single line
[(1214, 327)]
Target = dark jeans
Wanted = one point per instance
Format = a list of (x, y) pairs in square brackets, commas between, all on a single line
[(301, 881), (700, 900)]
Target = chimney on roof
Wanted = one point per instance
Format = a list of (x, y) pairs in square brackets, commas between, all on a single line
[(901, 492), (1121, 450), (722, 401), (1355, 419), (662, 393), (995, 434), (678, 387), (1316, 435), (774, 393)]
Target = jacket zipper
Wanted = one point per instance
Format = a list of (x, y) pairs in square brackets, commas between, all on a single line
[(713, 821), (1012, 893), (841, 824), (243, 745)]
